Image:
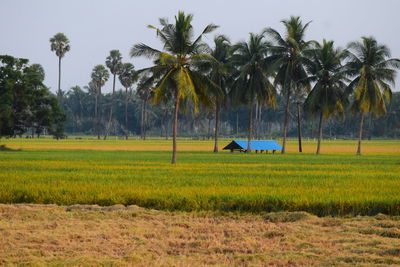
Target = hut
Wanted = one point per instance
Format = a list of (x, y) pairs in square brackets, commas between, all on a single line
[(256, 145)]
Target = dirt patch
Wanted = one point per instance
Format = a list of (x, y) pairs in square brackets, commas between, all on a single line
[(90, 235)]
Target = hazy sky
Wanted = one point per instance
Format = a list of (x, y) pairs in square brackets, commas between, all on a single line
[(96, 27)]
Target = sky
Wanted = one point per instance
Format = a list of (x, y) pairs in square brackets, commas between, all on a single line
[(96, 27)]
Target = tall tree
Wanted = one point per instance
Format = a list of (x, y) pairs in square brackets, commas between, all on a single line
[(252, 84), (374, 72), (127, 79), (114, 64), (174, 71), (99, 76), (220, 70), (327, 96), (288, 56), (59, 43)]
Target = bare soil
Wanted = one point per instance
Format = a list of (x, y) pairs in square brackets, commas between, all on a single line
[(82, 235)]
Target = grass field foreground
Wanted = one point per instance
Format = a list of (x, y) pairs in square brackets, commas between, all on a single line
[(329, 184)]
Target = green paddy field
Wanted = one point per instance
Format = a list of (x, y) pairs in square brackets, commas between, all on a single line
[(134, 172)]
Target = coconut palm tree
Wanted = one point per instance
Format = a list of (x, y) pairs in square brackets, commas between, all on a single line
[(114, 64), (374, 72), (99, 76), (127, 78), (252, 84), (174, 71), (288, 56), (59, 43), (327, 96), (220, 70)]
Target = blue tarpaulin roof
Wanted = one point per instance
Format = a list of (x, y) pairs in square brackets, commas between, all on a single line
[(254, 145)]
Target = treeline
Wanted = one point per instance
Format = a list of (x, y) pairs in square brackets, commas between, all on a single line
[(148, 119)]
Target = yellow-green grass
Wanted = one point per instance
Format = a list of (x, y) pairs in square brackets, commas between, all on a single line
[(49, 171), (309, 146)]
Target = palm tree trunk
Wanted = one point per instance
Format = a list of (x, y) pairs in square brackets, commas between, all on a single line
[(142, 121), (209, 128), (285, 124), (237, 124), (59, 80), (256, 122), (166, 123), (320, 134), (126, 113), (175, 127), (370, 127), (216, 127), (250, 125), (98, 113), (259, 122), (360, 134), (145, 119), (299, 127), (108, 128)]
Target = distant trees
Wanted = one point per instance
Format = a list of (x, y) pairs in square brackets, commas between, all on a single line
[(100, 76), (174, 71), (25, 103), (59, 43), (374, 72)]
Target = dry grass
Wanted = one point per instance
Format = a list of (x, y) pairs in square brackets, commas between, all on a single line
[(50, 235)]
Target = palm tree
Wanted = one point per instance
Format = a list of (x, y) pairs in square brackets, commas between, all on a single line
[(327, 96), (100, 76), (60, 44), (252, 84), (174, 71), (114, 63), (374, 72), (288, 56), (220, 75), (127, 79)]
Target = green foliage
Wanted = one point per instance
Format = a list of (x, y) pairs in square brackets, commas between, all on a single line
[(288, 54), (174, 71), (59, 43), (25, 103), (100, 76), (326, 71), (128, 75), (114, 62), (374, 72), (252, 83)]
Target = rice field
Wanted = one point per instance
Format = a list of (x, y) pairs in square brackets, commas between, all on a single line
[(137, 172)]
